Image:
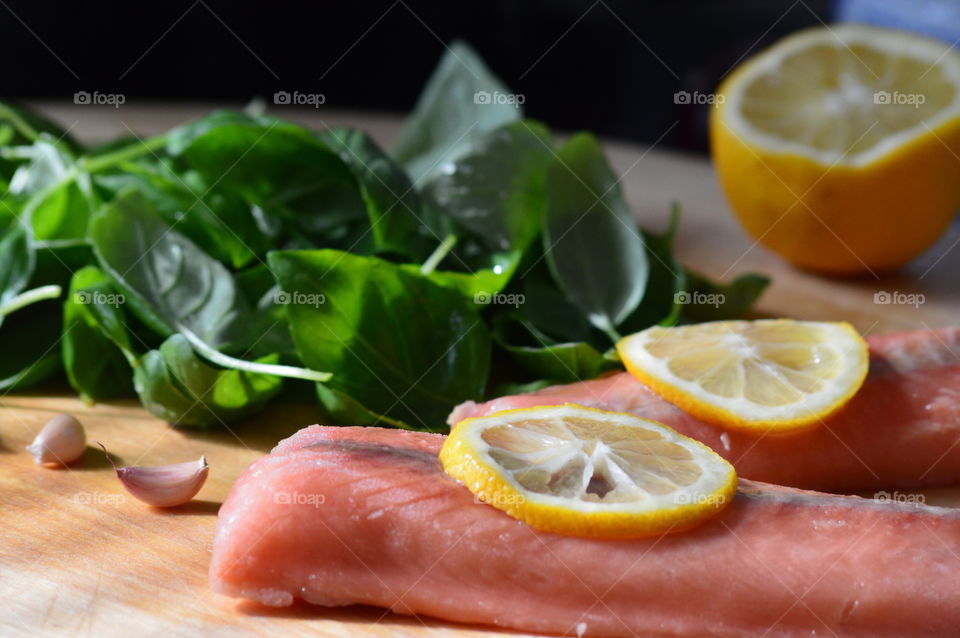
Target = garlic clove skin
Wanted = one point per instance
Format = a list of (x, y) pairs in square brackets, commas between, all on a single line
[(61, 441), (165, 485)]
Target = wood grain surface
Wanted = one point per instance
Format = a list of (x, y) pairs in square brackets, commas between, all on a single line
[(80, 558)]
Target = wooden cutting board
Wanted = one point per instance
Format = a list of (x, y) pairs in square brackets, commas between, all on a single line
[(78, 557)]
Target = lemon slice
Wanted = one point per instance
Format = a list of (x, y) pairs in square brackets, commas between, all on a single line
[(585, 472), (776, 375), (822, 141)]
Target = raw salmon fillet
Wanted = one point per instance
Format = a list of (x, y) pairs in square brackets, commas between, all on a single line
[(336, 516), (902, 429)]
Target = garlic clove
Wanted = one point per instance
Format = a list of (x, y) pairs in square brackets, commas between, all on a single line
[(163, 485), (61, 441)]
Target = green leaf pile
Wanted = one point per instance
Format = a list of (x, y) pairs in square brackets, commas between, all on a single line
[(240, 259)]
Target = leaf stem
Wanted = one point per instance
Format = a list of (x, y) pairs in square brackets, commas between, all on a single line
[(613, 334), (107, 160), (29, 297), (438, 254), (215, 356), (59, 243), (603, 323), (90, 165), (7, 113)]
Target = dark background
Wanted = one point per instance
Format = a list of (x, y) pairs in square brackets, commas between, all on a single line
[(611, 67)]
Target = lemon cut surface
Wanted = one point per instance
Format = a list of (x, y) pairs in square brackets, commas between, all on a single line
[(579, 471), (775, 375)]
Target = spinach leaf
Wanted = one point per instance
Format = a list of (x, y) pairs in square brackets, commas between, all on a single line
[(58, 195), (43, 165), (172, 382), (181, 137), (562, 362), (269, 318), (550, 311), (403, 347), (96, 368), (705, 300), (31, 351), (591, 241), (491, 203), (393, 205), (17, 262), (10, 209), (474, 271), (219, 221), (663, 299), (176, 385), (110, 319), (479, 286), (557, 362), (462, 99), (349, 411), (63, 212), (32, 334), (167, 280), (286, 171), (494, 186)]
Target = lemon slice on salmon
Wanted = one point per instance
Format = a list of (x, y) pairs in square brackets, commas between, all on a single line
[(776, 375), (574, 470)]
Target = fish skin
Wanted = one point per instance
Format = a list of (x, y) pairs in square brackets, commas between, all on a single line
[(394, 531), (901, 429)]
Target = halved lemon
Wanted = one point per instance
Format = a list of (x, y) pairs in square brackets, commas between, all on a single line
[(837, 147), (574, 470), (776, 375)]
